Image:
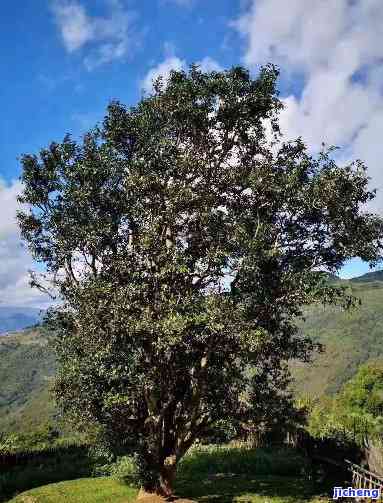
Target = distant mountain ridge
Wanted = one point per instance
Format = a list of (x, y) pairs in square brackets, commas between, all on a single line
[(368, 277), (13, 319), (27, 363)]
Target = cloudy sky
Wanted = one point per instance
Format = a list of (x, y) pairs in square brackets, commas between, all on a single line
[(64, 60)]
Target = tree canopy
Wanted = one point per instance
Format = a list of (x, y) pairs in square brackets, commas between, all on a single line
[(363, 394), (183, 237)]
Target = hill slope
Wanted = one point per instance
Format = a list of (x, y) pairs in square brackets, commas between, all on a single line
[(26, 367), (351, 338), (368, 277)]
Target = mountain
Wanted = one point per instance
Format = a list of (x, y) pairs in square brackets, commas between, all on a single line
[(350, 339), (368, 277), (27, 364), (18, 318)]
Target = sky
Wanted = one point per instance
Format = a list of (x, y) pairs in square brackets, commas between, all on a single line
[(64, 60)]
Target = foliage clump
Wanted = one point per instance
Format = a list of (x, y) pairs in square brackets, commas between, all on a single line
[(355, 413)]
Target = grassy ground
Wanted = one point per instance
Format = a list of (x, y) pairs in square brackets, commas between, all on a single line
[(103, 489), (207, 474), (270, 489)]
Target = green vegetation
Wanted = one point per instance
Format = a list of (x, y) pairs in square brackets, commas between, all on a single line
[(27, 366), (204, 461), (41, 468), (350, 339), (355, 412), (253, 489), (363, 394), (144, 217), (102, 490), (221, 490), (208, 474)]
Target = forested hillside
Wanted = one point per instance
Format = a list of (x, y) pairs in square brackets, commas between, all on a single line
[(350, 339), (27, 364), (26, 367)]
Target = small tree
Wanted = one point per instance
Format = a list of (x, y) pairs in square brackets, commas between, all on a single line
[(183, 243)]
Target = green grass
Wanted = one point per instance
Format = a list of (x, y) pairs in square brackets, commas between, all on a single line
[(200, 462), (207, 474), (251, 489), (223, 474), (270, 489), (89, 490), (207, 460)]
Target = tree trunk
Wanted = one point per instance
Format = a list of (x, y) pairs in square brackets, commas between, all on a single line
[(167, 478), (164, 484)]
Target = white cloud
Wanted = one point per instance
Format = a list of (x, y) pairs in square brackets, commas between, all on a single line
[(336, 48), (108, 38), (15, 261), (172, 62), (162, 69), (209, 65), (75, 26)]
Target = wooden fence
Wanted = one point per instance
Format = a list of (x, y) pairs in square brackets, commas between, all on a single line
[(362, 478)]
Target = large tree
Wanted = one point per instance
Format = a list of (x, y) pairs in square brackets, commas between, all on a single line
[(183, 237)]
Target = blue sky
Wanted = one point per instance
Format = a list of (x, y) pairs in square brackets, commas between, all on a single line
[(47, 85), (64, 60)]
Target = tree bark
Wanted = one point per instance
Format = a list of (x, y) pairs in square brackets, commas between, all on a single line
[(167, 478), (165, 483)]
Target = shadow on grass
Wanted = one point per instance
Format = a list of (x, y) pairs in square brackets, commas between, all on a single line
[(262, 475), (246, 489), (269, 474)]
